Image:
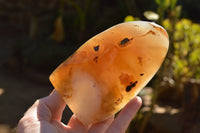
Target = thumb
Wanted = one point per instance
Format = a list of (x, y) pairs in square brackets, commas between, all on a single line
[(54, 103)]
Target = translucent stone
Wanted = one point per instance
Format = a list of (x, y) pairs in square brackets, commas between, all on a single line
[(111, 68)]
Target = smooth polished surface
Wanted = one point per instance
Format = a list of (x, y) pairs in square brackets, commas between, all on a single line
[(107, 71)]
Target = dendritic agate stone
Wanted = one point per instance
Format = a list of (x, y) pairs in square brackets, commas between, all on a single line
[(111, 68)]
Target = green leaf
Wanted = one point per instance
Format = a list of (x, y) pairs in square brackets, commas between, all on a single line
[(194, 56), (158, 1), (167, 3), (195, 28), (186, 59), (178, 11), (173, 4), (197, 74), (129, 18), (167, 25), (163, 3)]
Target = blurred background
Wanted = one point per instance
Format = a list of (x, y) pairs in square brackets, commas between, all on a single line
[(37, 35)]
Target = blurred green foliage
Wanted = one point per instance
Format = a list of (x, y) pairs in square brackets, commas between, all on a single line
[(81, 11), (182, 62), (54, 29), (186, 60), (129, 18)]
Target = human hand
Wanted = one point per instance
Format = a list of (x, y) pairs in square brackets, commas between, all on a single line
[(45, 117)]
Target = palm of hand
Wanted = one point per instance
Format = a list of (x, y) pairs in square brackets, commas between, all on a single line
[(45, 117)]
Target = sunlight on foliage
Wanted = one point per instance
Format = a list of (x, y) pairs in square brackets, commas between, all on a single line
[(182, 63), (186, 43), (163, 3), (166, 23), (129, 18), (150, 15)]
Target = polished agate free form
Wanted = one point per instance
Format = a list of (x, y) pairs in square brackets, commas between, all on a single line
[(111, 68)]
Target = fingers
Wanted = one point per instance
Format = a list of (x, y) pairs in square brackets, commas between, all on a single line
[(122, 121), (54, 103), (76, 126), (101, 127), (48, 108), (119, 125)]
